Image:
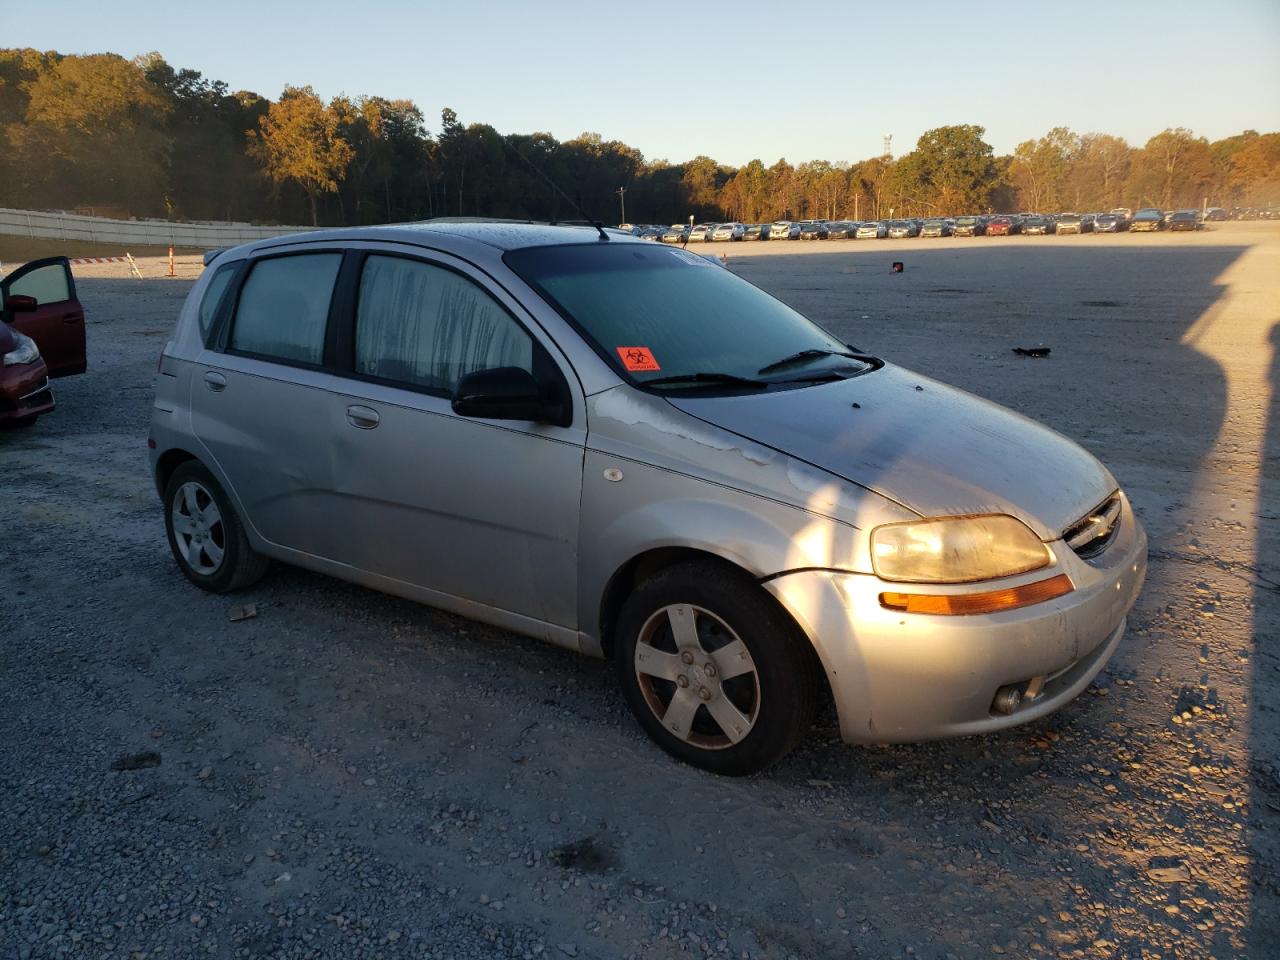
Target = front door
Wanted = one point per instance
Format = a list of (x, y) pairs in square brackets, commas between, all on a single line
[(57, 324), (479, 509)]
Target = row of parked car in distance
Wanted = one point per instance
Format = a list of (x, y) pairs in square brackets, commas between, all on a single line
[(1114, 221)]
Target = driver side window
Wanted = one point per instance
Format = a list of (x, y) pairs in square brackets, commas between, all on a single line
[(428, 327), (48, 284)]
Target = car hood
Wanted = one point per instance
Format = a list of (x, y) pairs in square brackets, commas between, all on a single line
[(931, 448)]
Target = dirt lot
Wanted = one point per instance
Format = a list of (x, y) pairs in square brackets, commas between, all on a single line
[(349, 775)]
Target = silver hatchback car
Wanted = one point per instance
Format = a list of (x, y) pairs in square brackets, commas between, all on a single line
[(628, 450)]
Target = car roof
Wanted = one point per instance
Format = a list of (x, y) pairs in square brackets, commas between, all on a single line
[(499, 234)]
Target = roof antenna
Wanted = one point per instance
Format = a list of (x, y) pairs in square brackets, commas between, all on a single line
[(551, 183)]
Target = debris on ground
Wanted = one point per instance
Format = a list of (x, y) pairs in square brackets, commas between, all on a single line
[(245, 611), (136, 761)]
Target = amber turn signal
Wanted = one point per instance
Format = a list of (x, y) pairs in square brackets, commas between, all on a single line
[(992, 601)]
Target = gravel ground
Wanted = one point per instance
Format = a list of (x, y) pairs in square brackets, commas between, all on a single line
[(349, 775)]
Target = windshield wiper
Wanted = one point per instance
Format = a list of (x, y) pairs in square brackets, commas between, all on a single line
[(819, 376), (727, 379), (802, 355)]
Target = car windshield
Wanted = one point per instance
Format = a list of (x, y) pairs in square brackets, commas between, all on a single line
[(658, 313)]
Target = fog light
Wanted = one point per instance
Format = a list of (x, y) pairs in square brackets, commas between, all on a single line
[(1007, 699)]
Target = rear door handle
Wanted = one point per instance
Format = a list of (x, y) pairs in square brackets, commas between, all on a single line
[(366, 418), (215, 381)]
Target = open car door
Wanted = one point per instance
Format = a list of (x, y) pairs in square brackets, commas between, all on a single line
[(57, 323)]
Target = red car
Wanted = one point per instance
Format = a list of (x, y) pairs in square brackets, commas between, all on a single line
[(1001, 226), (41, 336)]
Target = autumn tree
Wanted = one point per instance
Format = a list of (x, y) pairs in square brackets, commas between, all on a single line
[(1096, 175), (1174, 169), (1253, 170), (147, 138), (299, 141), (93, 132), (703, 179), (1040, 167), (952, 168), (869, 182), (211, 175)]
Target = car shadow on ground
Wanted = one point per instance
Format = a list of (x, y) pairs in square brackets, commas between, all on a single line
[(1264, 737)]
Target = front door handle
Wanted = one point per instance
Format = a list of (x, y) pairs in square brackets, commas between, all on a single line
[(215, 381), (366, 418), (70, 317)]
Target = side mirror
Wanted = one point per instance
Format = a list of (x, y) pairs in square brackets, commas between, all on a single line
[(20, 303), (503, 393)]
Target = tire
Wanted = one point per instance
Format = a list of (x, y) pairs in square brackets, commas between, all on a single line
[(21, 423), (220, 559), (742, 665)]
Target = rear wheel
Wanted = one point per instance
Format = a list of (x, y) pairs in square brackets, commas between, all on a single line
[(714, 670), (205, 534)]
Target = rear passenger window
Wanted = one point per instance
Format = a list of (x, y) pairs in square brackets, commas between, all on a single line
[(284, 306), (213, 296), (427, 326)]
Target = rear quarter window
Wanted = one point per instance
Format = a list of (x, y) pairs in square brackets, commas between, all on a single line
[(213, 294)]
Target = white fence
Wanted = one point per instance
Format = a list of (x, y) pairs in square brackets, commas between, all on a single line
[(125, 233)]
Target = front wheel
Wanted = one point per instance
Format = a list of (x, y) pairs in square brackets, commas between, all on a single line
[(714, 670)]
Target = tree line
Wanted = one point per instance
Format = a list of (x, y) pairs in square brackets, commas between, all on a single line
[(103, 134)]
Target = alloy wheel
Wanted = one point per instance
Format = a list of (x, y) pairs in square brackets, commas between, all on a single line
[(198, 529), (697, 676)]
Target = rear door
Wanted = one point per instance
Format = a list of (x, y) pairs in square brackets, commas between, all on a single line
[(260, 398), (57, 324)]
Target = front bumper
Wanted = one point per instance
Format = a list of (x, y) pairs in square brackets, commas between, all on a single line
[(25, 391), (899, 677)]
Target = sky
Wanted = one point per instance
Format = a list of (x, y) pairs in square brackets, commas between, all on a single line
[(801, 79)]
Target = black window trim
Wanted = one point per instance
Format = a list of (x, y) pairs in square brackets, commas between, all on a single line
[(220, 339)]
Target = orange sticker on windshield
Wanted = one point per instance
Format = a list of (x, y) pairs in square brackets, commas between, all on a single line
[(636, 359)]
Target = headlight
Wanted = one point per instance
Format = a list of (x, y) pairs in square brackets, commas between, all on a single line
[(957, 550), (27, 351)]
